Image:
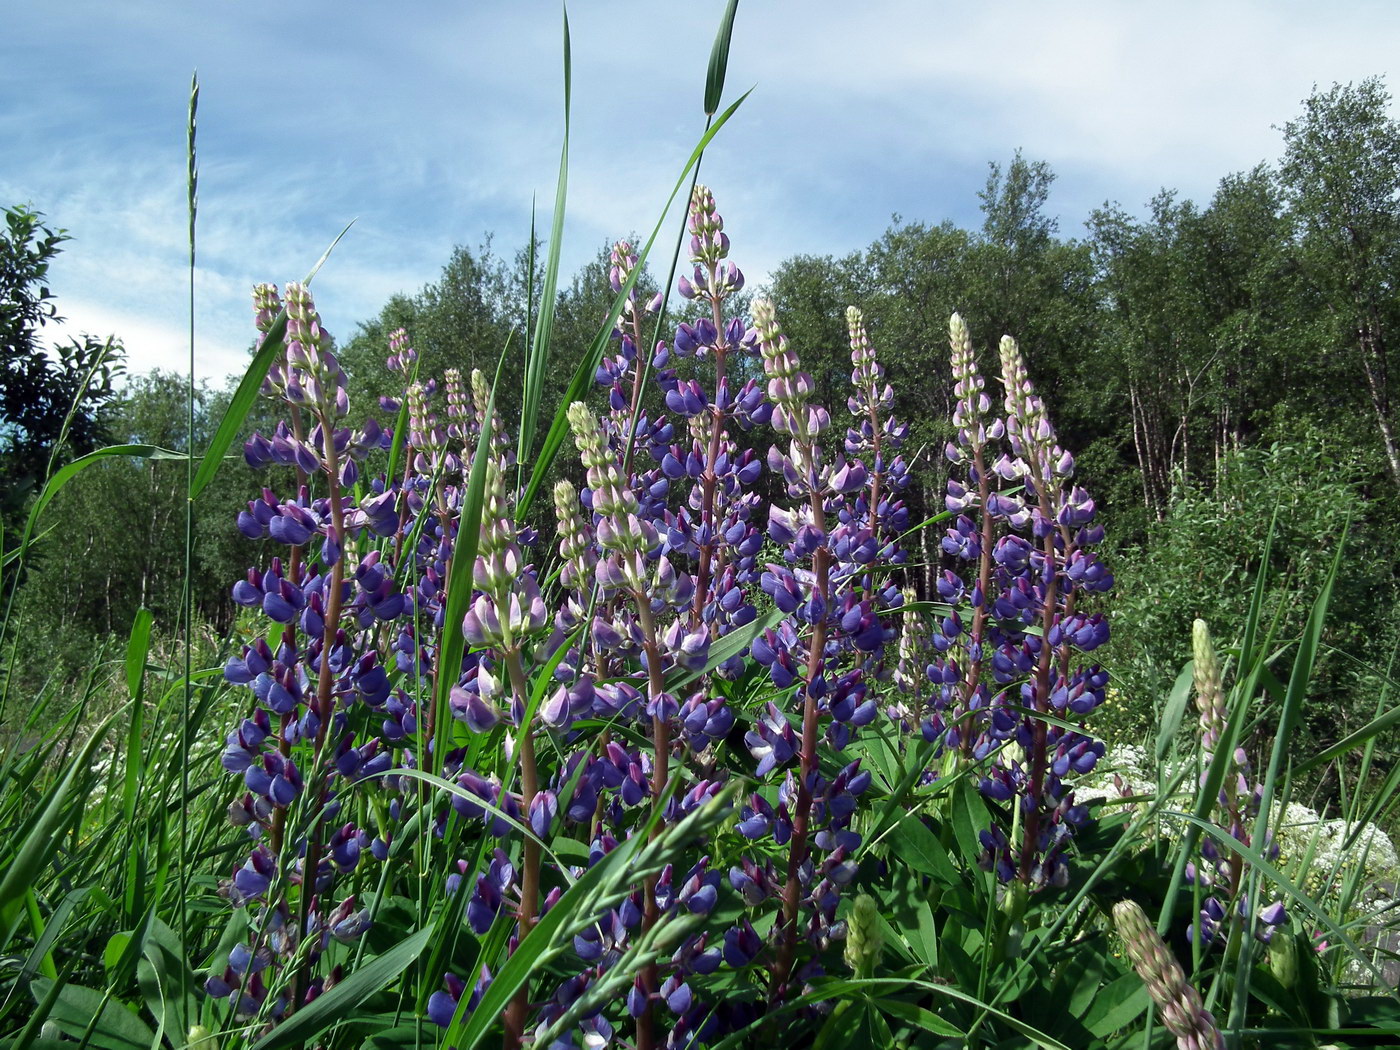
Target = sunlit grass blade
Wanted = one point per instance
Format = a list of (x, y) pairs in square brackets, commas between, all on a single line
[(1298, 682), (1319, 914), (582, 381), (600, 887), (41, 840), (1250, 666), (719, 60), (68, 471), (1174, 712), (137, 652), (306, 1025)]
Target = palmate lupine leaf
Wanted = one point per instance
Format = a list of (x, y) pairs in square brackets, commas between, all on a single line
[(93, 1017)]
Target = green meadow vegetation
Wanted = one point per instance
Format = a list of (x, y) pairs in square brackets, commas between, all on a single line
[(642, 658)]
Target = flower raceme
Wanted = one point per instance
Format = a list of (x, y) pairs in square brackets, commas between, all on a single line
[(684, 630)]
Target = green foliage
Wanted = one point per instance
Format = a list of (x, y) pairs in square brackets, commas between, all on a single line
[(46, 400), (1199, 561), (125, 515)]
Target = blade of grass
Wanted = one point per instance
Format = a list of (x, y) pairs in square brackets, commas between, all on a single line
[(187, 591), (1174, 712), (307, 1024), (719, 60), (1247, 675), (137, 650), (43, 840), (610, 879), (842, 988), (582, 380), (1298, 681)]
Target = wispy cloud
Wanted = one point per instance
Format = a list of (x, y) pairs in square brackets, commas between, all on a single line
[(433, 127)]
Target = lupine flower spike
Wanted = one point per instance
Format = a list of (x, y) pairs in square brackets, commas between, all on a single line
[(1177, 1001)]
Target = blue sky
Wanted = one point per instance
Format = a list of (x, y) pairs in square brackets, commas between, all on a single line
[(431, 124)]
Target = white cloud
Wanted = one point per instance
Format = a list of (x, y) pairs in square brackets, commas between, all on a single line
[(435, 128)]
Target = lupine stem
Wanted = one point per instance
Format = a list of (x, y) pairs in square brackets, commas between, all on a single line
[(703, 573), (801, 820), (518, 1011), (660, 773), (324, 693)]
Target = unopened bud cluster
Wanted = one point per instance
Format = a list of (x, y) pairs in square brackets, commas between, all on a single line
[(1177, 1001)]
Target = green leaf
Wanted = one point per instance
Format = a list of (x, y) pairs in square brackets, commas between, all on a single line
[(242, 402), (825, 990), (719, 60), (919, 847), (1229, 844), (595, 890), (732, 644), (77, 1009), (1116, 1005), (309, 1023), (969, 818), (42, 839), (1175, 710), (920, 1017), (138, 646), (1298, 682), (417, 1036), (166, 980)]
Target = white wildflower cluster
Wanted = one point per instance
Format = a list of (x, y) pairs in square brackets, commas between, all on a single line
[(1125, 770), (1337, 852)]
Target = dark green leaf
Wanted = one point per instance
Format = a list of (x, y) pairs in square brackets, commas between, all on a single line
[(719, 60), (305, 1026), (114, 1027)]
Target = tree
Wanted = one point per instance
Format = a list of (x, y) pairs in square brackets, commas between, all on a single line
[(1026, 282), (460, 321), (39, 389), (1341, 172)]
